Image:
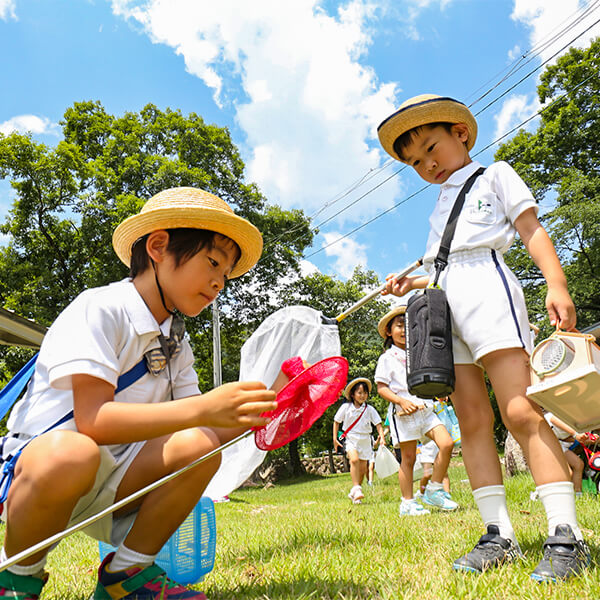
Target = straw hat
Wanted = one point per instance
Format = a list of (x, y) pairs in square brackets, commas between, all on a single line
[(383, 323), (355, 382), (421, 110), (188, 207)]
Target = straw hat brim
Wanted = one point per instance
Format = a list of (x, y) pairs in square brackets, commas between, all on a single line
[(422, 110), (383, 322), (355, 382), (241, 231)]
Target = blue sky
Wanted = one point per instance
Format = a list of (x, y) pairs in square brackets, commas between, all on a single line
[(301, 84)]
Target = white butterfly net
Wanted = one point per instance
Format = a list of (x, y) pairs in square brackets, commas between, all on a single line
[(291, 331)]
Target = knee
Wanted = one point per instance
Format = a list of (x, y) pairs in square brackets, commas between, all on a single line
[(68, 457), (190, 444), (521, 419), (476, 422), (409, 456)]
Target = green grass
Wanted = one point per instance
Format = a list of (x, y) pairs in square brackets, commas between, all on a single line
[(304, 539)]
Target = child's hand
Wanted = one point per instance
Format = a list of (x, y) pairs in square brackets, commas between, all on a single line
[(397, 287), (237, 404), (561, 309), (408, 407)]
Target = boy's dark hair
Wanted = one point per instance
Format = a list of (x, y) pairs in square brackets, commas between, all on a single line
[(354, 388), (183, 244), (402, 141), (388, 342)]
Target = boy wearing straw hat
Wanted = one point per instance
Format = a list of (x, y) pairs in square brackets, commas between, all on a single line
[(85, 445), (490, 330)]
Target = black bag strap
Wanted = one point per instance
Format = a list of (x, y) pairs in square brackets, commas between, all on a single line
[(441, 260)]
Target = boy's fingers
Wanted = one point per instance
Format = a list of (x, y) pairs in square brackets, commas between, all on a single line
[(257, 408)]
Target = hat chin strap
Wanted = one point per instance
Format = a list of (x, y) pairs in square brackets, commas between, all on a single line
[(162, 297)]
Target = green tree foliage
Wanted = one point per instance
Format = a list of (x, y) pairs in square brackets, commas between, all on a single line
[(69, 198), (561, 164)]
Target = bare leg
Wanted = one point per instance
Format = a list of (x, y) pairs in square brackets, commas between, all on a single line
[(357, 470), (405, 473), (444, 442), (162, 510), (54, 471), (576, 465)]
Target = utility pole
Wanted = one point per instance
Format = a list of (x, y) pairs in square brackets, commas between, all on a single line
[(217, 372)]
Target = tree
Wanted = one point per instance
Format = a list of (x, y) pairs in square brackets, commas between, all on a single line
[(70, 197), (561, 164)]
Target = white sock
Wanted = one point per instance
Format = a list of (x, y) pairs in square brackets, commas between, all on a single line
[(24, 569), (433, 486), (559, 502), (491, 502), (125, 558)]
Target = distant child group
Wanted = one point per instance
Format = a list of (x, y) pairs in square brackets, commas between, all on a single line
[(410, 419), (101, 440)]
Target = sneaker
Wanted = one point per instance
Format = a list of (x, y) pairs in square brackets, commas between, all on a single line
[(21, 587), (370, 483), (137, 583), (564, 556), (439, 499), (492, 550), (411, 508), (356, 494), (418, 494)]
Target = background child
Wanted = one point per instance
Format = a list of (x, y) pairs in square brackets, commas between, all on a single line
[(357, 419), (410, 418), (115, 442), (490, 326), (566, 436), (428, 455)]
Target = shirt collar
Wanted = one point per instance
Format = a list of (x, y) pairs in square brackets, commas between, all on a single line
[(459, 177), (397, 352), (138, 312)]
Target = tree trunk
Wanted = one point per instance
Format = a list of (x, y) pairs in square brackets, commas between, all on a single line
[(297, 468), (331, 463)]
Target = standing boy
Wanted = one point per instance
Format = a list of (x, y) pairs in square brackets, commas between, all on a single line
[(88, 442), (490, 327)]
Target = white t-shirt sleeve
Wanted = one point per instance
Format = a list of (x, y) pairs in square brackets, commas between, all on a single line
[(512, 191), (83, 340), (341, 413), (374, 415), (383, 371)]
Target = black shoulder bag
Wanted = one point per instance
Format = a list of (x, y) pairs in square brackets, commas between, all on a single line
[(429, 360)]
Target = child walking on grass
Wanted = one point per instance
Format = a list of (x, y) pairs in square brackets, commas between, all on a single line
[(490, 330), (89, 440), (410, 419), (357, 419)]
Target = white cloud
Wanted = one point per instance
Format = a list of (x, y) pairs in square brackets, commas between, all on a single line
[(347, 252), (515, 110), (546, 18), (27, 123), (7, 10), (307, 268), (307, 105)]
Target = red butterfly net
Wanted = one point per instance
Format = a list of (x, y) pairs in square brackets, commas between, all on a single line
[(302, 401)]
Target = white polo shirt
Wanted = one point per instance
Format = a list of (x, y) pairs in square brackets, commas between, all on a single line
[(496, 199), (347, 413), (391, 370), (104, 332)]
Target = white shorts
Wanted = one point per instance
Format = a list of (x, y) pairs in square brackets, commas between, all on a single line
[(362, 445), (110, 474), (406, 428), (428, 452), (487, 305)]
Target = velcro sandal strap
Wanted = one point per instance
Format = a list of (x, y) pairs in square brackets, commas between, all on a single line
[(27, 585), (559, 540), (143, 577), (496, 539)]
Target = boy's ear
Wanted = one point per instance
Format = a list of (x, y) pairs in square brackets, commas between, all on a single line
[(157, 244), (461, 131)]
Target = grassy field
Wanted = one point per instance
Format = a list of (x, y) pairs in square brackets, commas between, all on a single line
[(304, 540)]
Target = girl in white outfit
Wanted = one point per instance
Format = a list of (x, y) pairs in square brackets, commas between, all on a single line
[(357, 419)]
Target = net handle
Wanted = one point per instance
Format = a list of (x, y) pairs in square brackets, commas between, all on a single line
[(57, 537), (378, 291)]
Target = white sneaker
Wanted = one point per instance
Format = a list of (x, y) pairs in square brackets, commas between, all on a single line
[(411, 508), (439, 500), (356, 494)]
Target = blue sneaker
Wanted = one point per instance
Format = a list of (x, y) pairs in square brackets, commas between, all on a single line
[(137, 583), (439, 499)]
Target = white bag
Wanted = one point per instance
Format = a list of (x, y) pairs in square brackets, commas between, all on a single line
[(385, 463)]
